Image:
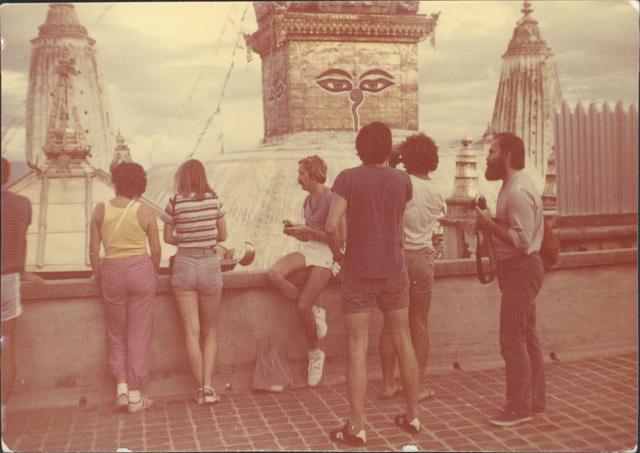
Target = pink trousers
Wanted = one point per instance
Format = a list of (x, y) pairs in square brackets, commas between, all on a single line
[(128, 289)]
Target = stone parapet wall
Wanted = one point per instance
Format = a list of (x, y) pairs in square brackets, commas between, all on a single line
[(588, 305)]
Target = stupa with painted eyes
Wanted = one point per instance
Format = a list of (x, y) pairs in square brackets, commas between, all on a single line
[(327, 69)]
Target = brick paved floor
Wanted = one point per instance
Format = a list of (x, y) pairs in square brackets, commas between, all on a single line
[(592, 406)]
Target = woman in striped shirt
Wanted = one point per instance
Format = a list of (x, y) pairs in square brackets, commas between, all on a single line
[(194, 222)]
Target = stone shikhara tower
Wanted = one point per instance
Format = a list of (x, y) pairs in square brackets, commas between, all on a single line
[(332, 66), (529, 91), (70, 144), (62, 36)]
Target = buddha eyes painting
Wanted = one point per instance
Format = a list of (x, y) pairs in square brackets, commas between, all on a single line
[(373, 81)]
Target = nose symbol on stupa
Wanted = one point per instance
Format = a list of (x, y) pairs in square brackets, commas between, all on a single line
[(373, 81)]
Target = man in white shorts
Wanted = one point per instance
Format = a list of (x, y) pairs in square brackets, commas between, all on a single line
[(314, 254)]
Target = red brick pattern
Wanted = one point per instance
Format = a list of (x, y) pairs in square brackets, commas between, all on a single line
[(592, 406)]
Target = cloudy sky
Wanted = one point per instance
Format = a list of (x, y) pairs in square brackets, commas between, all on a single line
[(165, 64)]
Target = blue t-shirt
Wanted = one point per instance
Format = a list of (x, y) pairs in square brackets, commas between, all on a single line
[(376, 197), (316, 218)]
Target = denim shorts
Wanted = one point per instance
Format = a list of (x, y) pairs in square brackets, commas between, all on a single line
[(362, 293), (197, 270)]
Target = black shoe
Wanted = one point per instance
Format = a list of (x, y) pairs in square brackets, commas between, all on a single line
[(410, 426), (342, 435), (509, 418)]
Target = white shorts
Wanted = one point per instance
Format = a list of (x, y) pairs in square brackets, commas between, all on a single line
[(317, 254), (11, 307)]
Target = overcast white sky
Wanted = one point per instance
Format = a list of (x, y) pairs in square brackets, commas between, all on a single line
[(152, 54)]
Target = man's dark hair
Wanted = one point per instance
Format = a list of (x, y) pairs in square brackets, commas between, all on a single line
[(374, 143), (5, 171), (512, 144), (130, 179), (419, 154)]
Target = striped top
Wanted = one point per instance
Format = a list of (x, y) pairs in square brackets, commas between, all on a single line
[(194, 220)]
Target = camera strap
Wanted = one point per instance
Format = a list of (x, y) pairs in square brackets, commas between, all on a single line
[(484, 277)]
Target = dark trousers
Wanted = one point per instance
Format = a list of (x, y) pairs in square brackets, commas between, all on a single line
[(520, 279)]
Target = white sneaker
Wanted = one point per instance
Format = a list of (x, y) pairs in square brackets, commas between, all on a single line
[(5, 448), (320, 317), (138, 402), (316, 365)]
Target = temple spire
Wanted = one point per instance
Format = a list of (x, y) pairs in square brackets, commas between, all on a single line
[(64, 63), (62, 22), (529, 91), (122, 154)]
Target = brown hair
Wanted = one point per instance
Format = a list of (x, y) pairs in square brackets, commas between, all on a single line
[(512, 144), (192, 178), (419, 154), (129, 179), (373, 143), (316, 167)]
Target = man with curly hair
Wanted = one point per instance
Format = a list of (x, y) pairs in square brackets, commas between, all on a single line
[(419, 154)]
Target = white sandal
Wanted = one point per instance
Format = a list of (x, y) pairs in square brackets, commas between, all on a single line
[(210, 398)]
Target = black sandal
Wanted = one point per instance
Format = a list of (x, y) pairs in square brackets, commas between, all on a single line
[(343, 435), (412, 427)]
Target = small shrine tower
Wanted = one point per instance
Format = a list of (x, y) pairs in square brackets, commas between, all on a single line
[(64, 183), (62, 187), (528, 92), (336, 65), (62, 36)]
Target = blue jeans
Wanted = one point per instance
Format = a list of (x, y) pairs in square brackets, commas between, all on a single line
[(520, 279)]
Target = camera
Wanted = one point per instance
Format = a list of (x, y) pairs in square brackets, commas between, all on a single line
[(395, 158), (481, 203)]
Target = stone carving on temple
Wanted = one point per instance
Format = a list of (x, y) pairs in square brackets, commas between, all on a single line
[(340, 64), (338, 7), (65, 138)]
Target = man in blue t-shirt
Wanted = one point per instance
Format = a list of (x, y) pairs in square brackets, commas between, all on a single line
[(16, 218), (373, 198)]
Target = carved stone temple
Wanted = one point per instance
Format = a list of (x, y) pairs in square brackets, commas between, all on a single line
[(327, 69), (330, 66), (529, 91), (60, 34), (69, 144)]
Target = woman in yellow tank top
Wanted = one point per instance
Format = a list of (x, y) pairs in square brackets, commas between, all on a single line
[(127, 276)]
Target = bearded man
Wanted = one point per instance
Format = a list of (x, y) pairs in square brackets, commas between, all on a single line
[(517, 232)]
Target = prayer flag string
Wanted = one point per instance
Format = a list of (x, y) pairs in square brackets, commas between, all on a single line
[(224, 87)]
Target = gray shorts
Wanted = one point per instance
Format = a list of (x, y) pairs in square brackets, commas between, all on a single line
[(197, 270), (362, 293), (420, 266), (11, 307)]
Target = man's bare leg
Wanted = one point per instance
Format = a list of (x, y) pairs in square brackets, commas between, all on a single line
[(387, 362), (398, 323), (285, 266), (357, 326)]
